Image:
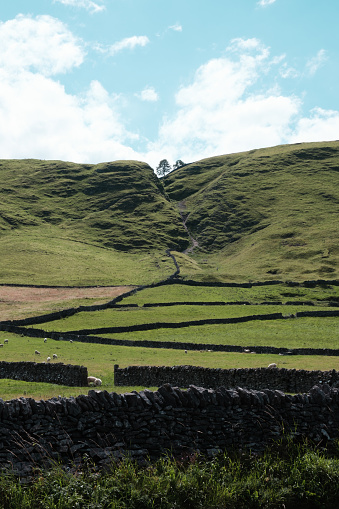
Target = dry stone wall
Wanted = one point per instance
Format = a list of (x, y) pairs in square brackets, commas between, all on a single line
[(287, 380), (106, 425), (55, 373)]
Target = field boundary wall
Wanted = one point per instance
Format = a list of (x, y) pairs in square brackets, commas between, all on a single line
[(286, 380), (53, 373)]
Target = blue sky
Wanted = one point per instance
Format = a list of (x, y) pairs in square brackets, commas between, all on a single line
[(101, 80)]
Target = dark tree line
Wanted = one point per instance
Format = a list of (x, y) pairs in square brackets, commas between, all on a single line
[(164, 167)]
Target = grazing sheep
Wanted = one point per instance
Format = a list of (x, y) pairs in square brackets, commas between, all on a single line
[(5, 341), (273, 365), (94, 380), (48, 359), (246, 350), (45, 340), (55, 356), (1, 345), (71, 340), (185, 351), (37, 352)]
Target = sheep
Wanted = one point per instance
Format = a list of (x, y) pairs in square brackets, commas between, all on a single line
[(94, 380), (5, 341), (273, 365), (185, 351), (48, 359), (1, 345), (45, 340), (71, 340), (247, 350), (55, 356), (37, 352)]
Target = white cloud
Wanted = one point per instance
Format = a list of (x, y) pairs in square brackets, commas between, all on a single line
[(148, 94), (41, 44), (224, 109), (85, 4), (38, 117), (264, 3), (176, 27), (218, 113), (314, 63), (321, 125), (127, 43)]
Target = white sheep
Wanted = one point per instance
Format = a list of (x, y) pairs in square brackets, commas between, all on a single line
[(45, 340), (71, 340), (1, 345), (5, 341), (55, 356), (48, 359), (37, 352), (273, 365), (94, 380)]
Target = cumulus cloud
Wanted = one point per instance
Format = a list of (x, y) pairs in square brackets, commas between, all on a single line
[(85, 4), (38, 117), (219, 112), (226, 108), (148, 94), (320, 125), (41, 44)]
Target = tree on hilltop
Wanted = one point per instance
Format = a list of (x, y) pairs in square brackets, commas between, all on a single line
[(163, 168), (178, 164)]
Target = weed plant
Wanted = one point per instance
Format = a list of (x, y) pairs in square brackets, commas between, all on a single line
[(288, 475)]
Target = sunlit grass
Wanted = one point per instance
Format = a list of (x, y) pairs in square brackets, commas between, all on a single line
[(100, 360)]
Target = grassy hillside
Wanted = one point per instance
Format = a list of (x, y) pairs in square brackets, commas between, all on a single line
[(64, 223), (263, 214)]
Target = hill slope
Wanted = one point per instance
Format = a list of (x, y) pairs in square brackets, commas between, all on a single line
[(269, 211), (119, 205), (65, 223), (264, 214)]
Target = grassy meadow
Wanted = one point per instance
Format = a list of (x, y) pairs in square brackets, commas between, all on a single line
[(100, 360), (258, 215)]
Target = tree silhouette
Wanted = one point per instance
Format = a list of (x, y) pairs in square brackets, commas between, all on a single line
[(178, 164), (163, 168)]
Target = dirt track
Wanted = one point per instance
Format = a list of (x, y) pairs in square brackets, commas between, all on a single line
[(22, 301)]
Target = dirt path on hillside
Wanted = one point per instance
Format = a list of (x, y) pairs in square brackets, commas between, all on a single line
[(22, 301)]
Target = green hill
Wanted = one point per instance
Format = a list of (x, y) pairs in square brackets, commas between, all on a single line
[(263, 214), (65, 223)]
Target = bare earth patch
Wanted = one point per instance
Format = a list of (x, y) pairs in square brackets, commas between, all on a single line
[(22, 301)]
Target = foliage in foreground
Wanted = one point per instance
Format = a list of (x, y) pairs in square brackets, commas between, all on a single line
[(286, 476)]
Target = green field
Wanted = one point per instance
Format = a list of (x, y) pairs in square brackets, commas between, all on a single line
[(263, 215), (100, 360)]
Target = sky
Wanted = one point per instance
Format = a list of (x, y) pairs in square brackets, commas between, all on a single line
[(90, 81)]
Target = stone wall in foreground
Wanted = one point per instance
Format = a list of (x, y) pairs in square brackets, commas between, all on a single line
[(106, 425), (286, 380)]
